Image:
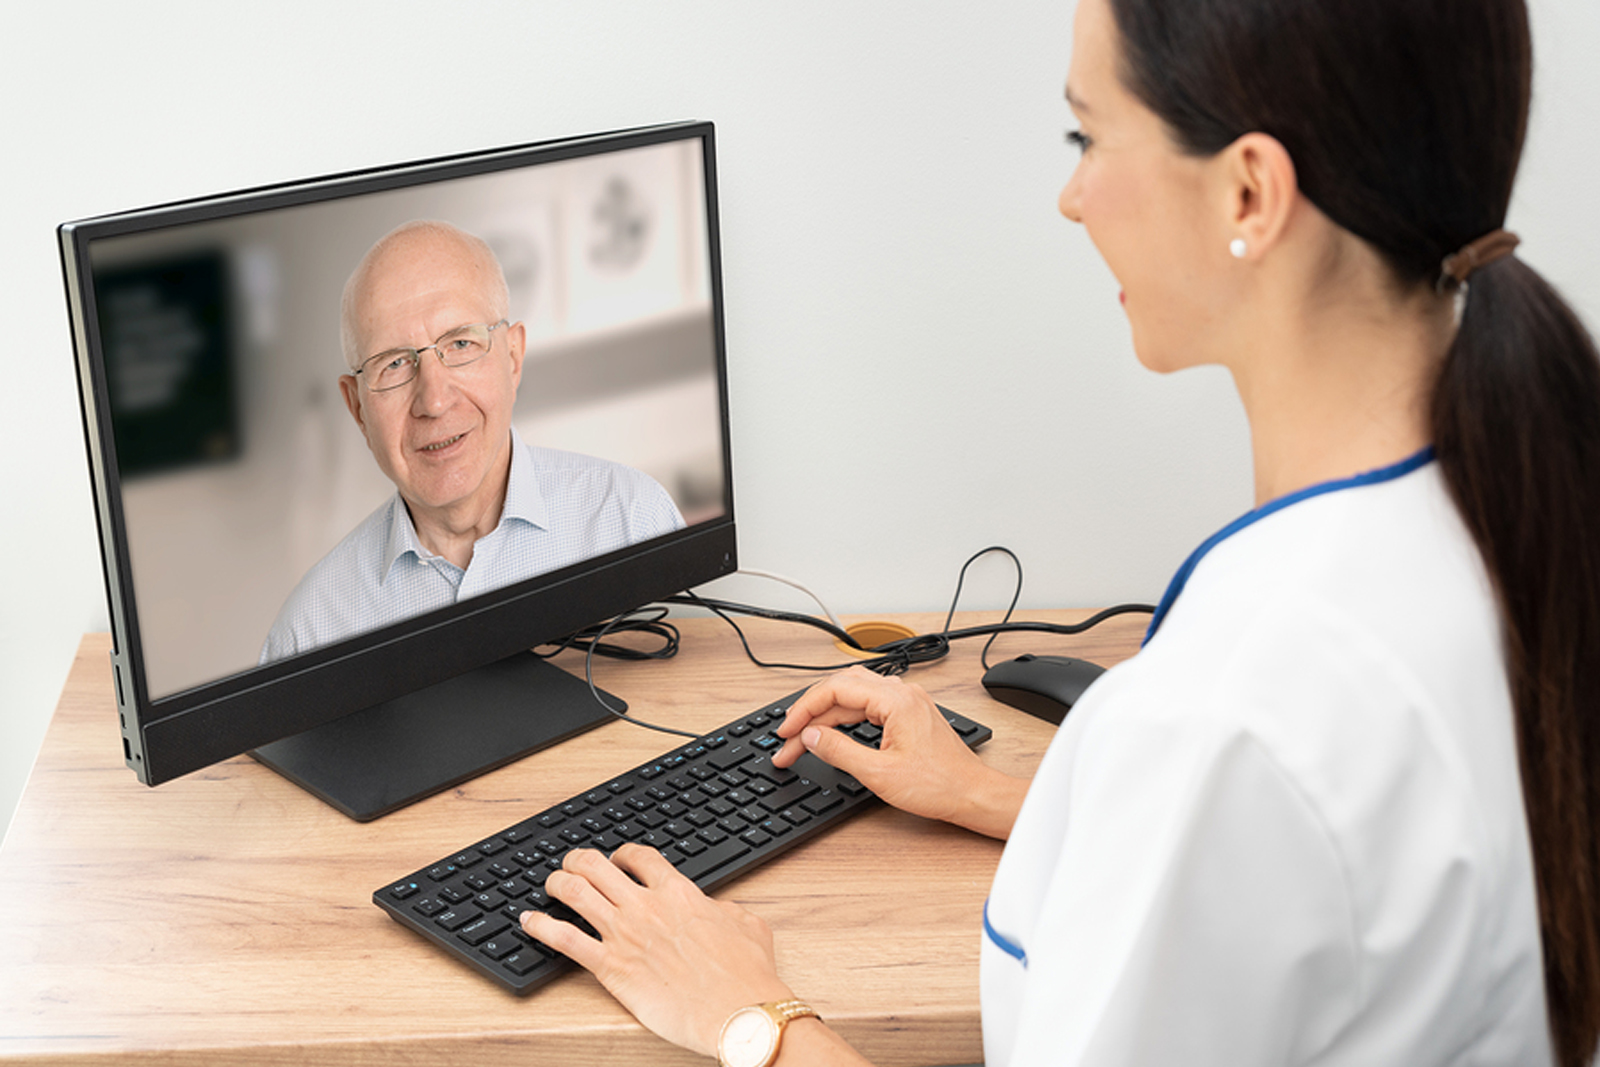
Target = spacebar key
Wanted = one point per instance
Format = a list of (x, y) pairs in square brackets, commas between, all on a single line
[(696, 867)]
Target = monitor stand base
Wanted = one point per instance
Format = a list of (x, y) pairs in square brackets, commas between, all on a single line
[(380, 759)]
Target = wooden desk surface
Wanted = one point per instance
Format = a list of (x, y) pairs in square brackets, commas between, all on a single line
[(225, 918)]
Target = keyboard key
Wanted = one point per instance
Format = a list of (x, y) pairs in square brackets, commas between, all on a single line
[(823, 801), (456, 918), (482, 929), (730, 756), (525, 962), (404, 890), (710, 859), (500, 947), (789, 795)]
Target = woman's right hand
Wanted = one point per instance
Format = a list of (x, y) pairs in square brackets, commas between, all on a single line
[(921, 765)]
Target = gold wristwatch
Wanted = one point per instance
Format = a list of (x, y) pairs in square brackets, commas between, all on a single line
[(751, 1036)]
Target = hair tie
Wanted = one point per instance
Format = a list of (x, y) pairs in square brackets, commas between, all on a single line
[(1480, 253)]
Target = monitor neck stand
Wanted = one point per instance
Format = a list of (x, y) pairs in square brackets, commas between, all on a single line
[(380, 759)]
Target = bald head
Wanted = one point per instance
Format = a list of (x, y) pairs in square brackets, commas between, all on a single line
[(411, 255)]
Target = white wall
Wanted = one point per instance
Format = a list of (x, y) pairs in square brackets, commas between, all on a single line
[(925, 359)]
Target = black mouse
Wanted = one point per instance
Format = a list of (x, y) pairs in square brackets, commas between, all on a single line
[(1044, 686)]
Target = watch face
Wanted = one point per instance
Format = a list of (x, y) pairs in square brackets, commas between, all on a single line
[(749, 1039)]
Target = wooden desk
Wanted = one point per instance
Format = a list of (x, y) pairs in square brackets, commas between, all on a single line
[(225, 918)]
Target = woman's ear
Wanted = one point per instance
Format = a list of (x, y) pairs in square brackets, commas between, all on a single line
[(1261, 189)]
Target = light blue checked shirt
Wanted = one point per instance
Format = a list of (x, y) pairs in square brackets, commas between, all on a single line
[(560, 508)]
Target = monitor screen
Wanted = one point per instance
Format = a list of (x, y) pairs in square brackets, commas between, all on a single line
[(354, 436)]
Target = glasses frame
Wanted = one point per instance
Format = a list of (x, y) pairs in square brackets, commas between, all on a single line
[(415, 357)]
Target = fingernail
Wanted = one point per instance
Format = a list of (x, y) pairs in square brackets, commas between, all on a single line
[(810, 736)]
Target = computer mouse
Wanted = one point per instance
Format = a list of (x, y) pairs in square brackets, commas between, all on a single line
[(1043, 686)]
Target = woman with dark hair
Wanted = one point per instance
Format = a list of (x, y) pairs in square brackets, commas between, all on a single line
[(1341, 807)]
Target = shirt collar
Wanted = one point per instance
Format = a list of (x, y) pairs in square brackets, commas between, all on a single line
[(1249, 518), (524, 503)]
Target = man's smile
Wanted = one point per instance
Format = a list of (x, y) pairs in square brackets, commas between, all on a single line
[(440, 445)]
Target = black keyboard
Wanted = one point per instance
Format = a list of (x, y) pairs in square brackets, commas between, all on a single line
[(715, 807)]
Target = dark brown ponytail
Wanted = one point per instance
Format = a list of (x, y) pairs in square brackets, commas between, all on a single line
[(1515, 416), (1405, 121)]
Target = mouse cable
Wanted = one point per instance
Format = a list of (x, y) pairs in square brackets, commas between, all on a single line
[(1016, 595)]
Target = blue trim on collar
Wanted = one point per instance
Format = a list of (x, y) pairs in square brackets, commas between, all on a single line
[(1010, 948), (1373, 477)]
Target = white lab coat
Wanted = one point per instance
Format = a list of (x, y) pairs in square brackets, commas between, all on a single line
[(1290, 830)]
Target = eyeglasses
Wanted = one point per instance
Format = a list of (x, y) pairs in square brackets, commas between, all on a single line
[(399, 366)]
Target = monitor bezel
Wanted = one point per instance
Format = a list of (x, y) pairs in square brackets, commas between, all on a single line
[(173, 735)]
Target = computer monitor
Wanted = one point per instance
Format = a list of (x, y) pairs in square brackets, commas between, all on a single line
[(271, 582)]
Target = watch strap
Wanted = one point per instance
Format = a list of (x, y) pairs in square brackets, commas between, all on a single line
[(784, 1012)]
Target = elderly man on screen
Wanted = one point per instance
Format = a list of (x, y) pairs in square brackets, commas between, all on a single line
[(434, 367)]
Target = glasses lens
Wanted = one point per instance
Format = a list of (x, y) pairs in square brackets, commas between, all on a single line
[(464, 345), (390, 370)]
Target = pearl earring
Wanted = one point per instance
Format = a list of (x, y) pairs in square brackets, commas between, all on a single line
[(1238, 247)]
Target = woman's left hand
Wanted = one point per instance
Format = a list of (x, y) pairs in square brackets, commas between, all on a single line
[(678, 960)]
